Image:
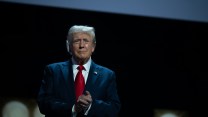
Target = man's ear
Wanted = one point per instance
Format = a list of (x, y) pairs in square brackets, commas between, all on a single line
[(67, 46), (94, 45)]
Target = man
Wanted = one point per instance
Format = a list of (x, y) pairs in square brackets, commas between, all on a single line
[(59, 92)]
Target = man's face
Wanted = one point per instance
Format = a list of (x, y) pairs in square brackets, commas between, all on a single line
[(82, 47)]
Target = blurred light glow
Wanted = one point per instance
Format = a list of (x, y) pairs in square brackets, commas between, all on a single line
[(36, 112), (15, 109), (169, 115)]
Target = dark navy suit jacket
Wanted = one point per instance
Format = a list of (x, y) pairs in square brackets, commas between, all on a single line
[(57, 94)]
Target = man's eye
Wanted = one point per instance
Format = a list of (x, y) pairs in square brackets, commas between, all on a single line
[(76, 41), (85, 40)]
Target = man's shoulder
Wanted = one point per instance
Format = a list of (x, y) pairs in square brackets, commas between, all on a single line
[(60, 63), (103, 68)]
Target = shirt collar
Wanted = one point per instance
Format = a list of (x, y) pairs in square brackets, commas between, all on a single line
[(86, 65)]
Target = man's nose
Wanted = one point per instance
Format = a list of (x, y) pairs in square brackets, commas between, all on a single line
[(81, 43)]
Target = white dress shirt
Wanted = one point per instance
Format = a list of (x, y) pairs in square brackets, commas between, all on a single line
[(85, 73)]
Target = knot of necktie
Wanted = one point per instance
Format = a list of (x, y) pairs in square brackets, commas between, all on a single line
[(80, 67)]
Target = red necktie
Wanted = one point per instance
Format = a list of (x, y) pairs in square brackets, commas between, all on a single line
[(79, 82)]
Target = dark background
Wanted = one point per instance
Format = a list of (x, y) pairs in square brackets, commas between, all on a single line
[(160, 63)]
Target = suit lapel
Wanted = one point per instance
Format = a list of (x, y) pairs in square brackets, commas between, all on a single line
[(68, 77), (92, 77)]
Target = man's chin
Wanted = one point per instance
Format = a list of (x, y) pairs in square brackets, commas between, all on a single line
[(82, 60)]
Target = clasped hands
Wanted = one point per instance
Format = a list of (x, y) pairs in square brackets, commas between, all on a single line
[(83, 102)]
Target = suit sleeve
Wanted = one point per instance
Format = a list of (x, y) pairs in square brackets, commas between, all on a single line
[(49, 103), (109, 105)]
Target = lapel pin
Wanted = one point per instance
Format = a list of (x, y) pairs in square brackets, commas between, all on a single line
[(95, 72)]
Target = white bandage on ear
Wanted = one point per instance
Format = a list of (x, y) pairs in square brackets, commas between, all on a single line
[(67, 46)]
